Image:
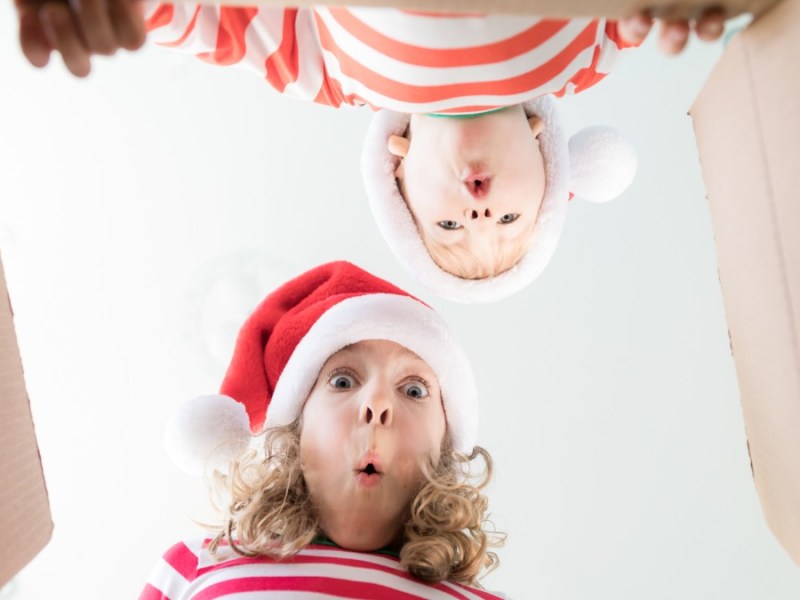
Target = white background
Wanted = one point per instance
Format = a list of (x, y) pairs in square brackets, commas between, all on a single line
[(144, 210)]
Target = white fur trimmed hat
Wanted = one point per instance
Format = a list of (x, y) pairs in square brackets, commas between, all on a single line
[(596, 164), (285, 342)]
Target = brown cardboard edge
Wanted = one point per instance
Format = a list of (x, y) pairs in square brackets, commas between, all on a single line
[(615, 9), (759, 304), (26, 524)]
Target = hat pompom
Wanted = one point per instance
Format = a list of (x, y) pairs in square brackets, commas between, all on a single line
[(206, 433), (602, 163)]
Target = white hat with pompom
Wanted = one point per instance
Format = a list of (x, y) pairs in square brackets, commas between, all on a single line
[(597, 164)]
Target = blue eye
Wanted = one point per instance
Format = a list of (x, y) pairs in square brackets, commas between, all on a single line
[(416, 390), (341, 382), (508, 218), (449, 225)]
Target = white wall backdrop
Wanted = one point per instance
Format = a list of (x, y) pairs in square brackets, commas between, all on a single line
[(139, 207)]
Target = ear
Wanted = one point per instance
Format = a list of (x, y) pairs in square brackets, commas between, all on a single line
[(398, 145), (536, 125)]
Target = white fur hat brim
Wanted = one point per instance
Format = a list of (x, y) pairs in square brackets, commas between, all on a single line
[(398, 228), (400, 319)]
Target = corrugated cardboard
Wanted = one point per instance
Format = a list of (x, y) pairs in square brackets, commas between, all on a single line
[(25, 523), (747, 124)]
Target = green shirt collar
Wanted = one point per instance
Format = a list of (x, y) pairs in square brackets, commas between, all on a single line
[(321, 540), (465, 115)]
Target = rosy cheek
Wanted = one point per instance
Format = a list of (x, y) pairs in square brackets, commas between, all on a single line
[(423, 447), (317, 472), (312, 444)]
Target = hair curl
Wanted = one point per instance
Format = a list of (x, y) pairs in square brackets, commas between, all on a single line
[(447, 535)]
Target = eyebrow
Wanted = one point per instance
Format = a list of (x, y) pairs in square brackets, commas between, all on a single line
[(342, 353)]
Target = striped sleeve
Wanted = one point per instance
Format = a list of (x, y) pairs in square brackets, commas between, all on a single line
[(276, 43), (173, 574), (609, 50)]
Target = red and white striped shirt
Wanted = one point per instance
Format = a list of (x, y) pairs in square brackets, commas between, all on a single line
[(403, 60), (188, 572)]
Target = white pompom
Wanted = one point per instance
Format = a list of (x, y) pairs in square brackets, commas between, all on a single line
[(206, 433), (602, 164)]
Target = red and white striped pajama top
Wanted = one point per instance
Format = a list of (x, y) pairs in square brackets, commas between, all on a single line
[(188, 572), (406, 61)]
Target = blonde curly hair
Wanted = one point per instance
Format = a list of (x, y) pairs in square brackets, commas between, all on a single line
[(461, 261), (447, 534)]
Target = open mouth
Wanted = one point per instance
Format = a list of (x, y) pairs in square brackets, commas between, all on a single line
[(478, 184), (369, 463), (369, 476), (369, 471)]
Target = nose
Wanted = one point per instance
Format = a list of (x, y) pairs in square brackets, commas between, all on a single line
[(472, 214), (377, 410), (478, 186)]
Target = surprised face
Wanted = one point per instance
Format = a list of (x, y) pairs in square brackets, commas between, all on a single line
[(374, 416), (474, 185)]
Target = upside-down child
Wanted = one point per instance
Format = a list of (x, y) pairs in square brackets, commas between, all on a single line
[(466, 168), (362, 486)]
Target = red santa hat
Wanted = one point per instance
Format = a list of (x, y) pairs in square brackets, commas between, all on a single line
[(285, 342), (596, 164)]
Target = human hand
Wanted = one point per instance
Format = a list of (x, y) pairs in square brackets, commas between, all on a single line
[(674, 33), (78, 29)]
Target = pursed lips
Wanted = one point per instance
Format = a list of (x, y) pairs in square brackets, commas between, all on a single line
[(369, 470)]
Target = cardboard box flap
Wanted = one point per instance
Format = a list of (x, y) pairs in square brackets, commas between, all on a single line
[(546, 8), (25, 523), (748, 134)]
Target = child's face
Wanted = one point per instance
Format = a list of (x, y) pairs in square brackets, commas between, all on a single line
[(474, 185), (374, 403)]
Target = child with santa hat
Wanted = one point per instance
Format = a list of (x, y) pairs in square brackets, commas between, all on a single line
[(466, 168), (361, 484)]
